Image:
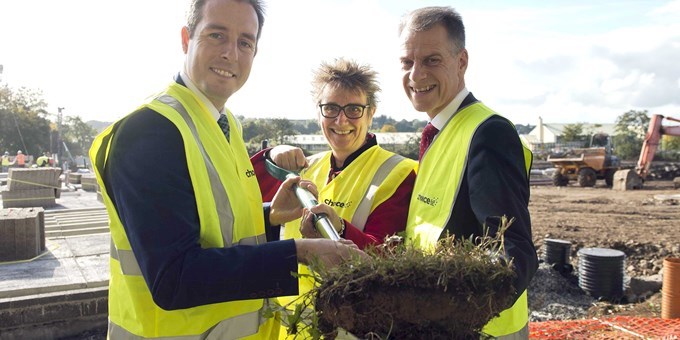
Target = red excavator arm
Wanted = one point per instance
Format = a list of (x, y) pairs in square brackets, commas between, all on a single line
[(654, 133)]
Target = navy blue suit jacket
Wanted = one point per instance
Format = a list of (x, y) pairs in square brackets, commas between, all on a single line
[(147, 178), (495, 183)]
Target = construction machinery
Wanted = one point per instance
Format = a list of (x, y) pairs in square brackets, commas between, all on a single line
[(586, 165), (634, 178)]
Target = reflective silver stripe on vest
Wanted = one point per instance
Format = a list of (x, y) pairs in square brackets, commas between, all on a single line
[(233, 328), (224, 212), (128, 262), (521, 334), (130, 266), (364, 208), (127, 259)]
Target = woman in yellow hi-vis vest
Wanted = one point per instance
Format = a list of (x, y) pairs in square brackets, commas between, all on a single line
[(190, 250), (476, 169), (367, 186)]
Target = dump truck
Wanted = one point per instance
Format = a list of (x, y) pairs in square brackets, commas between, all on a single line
[(634, 178), (586, 165)]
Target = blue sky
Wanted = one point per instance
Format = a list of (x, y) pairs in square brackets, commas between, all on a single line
[(566, 61)]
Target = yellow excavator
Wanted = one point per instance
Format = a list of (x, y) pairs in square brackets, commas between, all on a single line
[(634, 178)]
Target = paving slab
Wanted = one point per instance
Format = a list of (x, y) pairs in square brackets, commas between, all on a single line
[(64, 291), (69, 262)]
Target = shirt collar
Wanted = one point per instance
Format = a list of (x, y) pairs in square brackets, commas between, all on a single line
[(371, 141), (190, 84), (450, 110)]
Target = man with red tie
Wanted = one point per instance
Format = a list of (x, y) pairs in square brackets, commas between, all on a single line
[(475, 169)]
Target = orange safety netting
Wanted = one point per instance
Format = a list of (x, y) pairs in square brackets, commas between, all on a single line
[(620, 327)]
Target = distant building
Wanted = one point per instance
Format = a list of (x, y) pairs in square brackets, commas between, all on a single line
[(317, 143), (545, 133)]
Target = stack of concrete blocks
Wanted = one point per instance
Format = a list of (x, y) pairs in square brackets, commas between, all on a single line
[(73, 177), (22, 233), (88, 182), (32, 187)]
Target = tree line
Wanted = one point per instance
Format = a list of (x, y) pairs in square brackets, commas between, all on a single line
[(26, 125), (631, 128)]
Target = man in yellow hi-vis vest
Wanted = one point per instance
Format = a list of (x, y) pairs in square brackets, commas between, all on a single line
[(5, 161), (474, 167), (191, 256)]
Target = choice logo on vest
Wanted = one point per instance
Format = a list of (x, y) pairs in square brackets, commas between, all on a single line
[(337, 204), (427, 200)]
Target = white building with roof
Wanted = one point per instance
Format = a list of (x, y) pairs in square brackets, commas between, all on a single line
[(545, 133), (317, 143)]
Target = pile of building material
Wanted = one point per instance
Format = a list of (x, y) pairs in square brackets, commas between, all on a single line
[(89, 182), (540, 177), (22, 233), (32, 187), (72, 177)]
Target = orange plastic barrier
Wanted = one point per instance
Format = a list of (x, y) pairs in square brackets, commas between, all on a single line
[(620, 327)]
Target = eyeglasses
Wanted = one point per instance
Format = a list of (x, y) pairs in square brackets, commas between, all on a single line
[(352, 111)]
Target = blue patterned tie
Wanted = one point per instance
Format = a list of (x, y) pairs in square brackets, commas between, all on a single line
[(223, 122)]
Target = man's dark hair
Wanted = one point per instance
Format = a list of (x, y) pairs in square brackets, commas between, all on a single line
[(194, 14)]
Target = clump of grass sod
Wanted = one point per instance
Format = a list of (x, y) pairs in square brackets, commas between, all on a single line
[(402, 292)]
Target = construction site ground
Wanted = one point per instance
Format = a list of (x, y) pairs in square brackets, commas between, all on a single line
[(644, 224)]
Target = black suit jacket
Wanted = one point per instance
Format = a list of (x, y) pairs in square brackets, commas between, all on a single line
[(495, 183), (147, 178)]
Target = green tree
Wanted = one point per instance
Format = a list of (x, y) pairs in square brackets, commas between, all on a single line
[(670, 148), (411, 149), (670, 143), (311, 128), (23, 125), (273, 130), (77, 135), (404, 126), (572, 132), (388, 128), (379, 121), (631, 128), (254, 132), (281, 128)]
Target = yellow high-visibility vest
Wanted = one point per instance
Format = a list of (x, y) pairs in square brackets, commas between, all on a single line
[(362, 186), (230, 212), (437, 183)]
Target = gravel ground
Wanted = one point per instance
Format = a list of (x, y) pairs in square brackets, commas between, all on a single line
[(553, 296)]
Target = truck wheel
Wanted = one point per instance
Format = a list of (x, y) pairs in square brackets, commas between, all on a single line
[(587, 177), (609, 177), (560, 180)]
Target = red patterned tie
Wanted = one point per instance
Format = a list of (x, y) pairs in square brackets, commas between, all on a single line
[(426, 138)]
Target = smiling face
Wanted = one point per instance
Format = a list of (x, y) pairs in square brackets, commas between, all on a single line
[(220, 52), (432, 73), (344, 135)]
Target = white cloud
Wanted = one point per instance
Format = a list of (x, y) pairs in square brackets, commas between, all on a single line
[(571, 61)]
